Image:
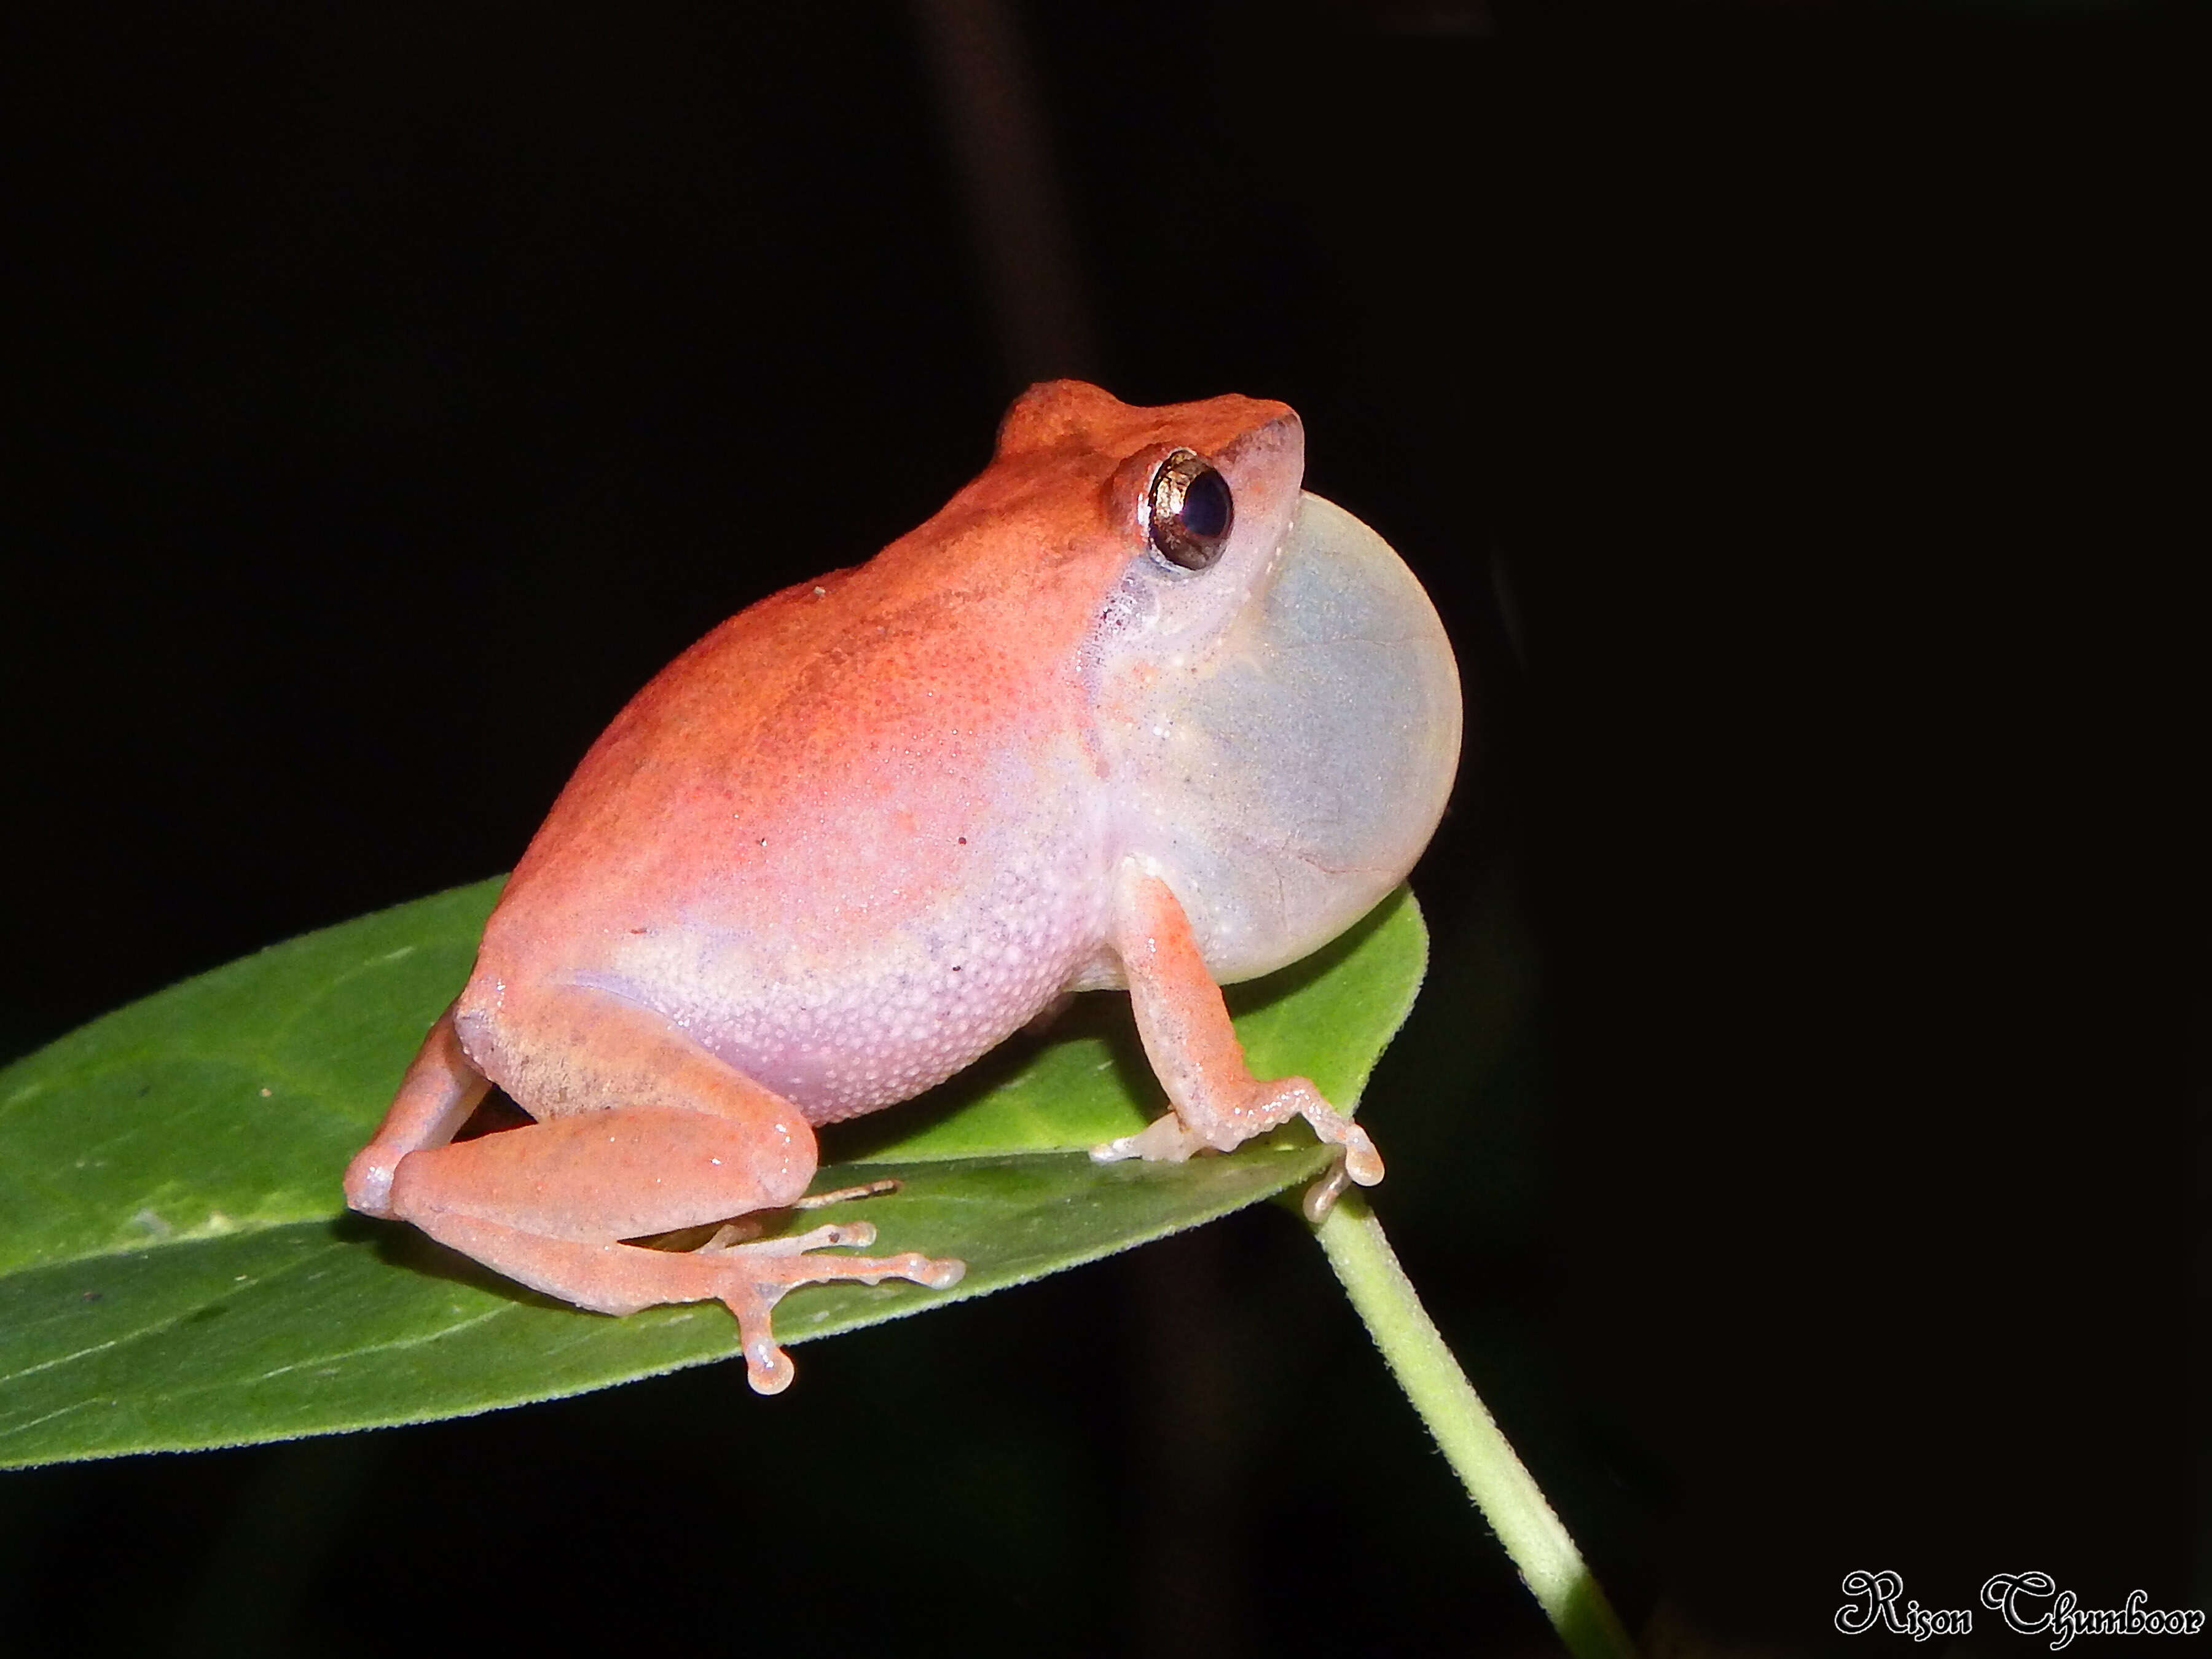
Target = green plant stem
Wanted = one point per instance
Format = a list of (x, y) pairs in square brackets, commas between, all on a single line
[(1502, 1489)]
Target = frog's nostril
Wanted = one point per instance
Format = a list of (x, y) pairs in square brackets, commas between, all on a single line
[(1190, 510)]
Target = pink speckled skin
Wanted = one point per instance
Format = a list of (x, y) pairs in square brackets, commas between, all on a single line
[(841, 846), (859, 833)]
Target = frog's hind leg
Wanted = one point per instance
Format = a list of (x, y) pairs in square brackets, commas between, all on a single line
[(640, 1132)]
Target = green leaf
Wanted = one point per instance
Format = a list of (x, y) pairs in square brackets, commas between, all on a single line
[(178, 1269)]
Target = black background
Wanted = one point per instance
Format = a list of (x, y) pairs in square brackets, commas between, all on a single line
[(1785, 405)]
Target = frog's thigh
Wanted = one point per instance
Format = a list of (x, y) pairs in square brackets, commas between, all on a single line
[(640, 1130), (622, 1172), (1184, 1025)]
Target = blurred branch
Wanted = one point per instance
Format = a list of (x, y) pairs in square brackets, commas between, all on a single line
[(986, 94)]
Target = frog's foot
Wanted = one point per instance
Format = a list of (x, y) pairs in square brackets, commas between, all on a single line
[(1356, 1161), (608, 1277), (757, 1275), (1172, 1140), (1169, 1139)]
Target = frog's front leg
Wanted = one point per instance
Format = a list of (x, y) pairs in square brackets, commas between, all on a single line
[(1194, 1050), (641, 1131)]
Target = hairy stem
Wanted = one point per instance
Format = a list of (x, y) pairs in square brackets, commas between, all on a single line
[(1502, 1489)]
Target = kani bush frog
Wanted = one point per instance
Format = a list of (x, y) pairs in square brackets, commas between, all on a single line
[(1130, 711)]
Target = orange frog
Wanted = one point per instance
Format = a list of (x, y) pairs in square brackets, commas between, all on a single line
[(1132, 710)]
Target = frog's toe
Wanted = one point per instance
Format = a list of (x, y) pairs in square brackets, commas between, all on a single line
[(729, 1235), (767, 1367), (940, 1273), (745, 1240), (1361, 1161), (931, 1273), (1163, 1141), (1321, 1198)]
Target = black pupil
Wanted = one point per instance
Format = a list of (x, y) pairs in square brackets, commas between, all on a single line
[(1205, 505)]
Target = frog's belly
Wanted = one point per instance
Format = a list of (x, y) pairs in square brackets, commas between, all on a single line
[(851, 1020)]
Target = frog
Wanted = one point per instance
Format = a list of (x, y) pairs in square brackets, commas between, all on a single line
[(1132, 711)]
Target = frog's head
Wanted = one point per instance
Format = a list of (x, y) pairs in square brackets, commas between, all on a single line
[(1275, 702)]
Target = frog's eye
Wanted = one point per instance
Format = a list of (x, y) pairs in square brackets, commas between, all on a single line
[(1188, 512)]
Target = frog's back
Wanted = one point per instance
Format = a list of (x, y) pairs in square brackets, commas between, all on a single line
[(851, 837), (862, 830)]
